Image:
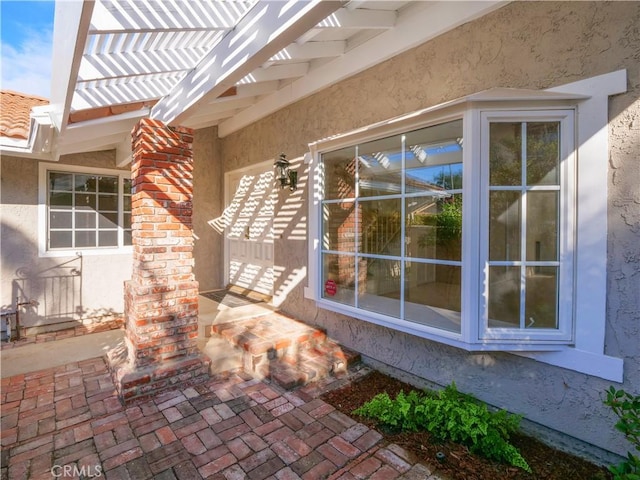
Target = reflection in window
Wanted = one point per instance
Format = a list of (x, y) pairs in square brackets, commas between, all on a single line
[(84, 210), (524, 212), (392, 226)]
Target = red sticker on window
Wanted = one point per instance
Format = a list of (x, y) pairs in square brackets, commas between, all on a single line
[(330, 288)]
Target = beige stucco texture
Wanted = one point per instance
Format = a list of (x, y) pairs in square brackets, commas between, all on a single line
[(535, 45), (67, 290)]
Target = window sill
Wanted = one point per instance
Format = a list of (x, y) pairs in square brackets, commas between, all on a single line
[(564, 356), (76, 252)]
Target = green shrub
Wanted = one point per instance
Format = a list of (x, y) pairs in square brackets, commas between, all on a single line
[(450, 415), (627, 408)]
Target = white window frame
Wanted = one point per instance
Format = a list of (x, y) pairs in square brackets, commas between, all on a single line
[(43, 211), (589, 99), (564, 333)]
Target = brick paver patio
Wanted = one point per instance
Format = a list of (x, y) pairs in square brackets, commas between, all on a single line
[(67, 422)]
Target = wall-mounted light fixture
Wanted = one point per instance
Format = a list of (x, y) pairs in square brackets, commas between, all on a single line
[(286, 176)]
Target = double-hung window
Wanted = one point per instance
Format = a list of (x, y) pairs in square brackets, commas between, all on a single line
[(86, 209)]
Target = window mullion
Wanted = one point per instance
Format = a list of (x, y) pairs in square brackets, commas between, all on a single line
[(402, 227), (523, 217), (356, 229)]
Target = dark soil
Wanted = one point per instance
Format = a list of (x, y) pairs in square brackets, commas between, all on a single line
[(546, 462)]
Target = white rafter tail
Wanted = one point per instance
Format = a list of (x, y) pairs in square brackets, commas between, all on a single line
[(71, 25), (277, 72), (265, 30), (418, 24)]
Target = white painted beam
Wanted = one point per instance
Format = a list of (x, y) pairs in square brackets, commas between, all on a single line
[(71, 24), (129, 16), (265, 30), (359, 18), (417, 25), (95, 144), (129, 90), (277, 72), (92, 130), (310, 50)]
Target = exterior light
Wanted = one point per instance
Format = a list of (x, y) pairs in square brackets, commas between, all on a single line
[(285, 175)]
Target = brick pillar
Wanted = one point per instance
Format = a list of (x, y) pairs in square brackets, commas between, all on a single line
[(161, 299)]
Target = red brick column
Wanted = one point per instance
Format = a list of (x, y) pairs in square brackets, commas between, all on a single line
[(161, 299)]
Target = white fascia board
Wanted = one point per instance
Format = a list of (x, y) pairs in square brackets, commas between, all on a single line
[(103, 142), (95, 130), (412, 28), (71, 26), (265, 30)]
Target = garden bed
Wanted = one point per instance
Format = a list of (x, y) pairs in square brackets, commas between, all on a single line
[(546, 462)]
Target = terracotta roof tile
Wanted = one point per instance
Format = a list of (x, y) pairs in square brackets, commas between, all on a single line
[(15, 110)]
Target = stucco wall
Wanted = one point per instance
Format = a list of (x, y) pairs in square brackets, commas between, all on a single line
[(64, 298), (533, 45), (208, 196)]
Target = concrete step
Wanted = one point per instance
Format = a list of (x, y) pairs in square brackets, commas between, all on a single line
[(287, 351)]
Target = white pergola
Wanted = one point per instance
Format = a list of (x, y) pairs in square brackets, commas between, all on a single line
[(200, 63)]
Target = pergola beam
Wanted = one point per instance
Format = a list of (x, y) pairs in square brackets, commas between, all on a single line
[(265, 30), (72, 20)]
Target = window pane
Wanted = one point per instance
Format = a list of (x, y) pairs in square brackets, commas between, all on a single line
[(61, 200), (542, 226), (60, 220), (127, 203), (434, 227), (85, 220), (85, 183), (504, 226), (543, 153), (85, 239), (339, 226), (108, 220), (435, 286), (85, 201), (108, 239), (108, 202), (126, 220), (339, 278), (128, 237), (380, 289), (505, 154), (126, 185), (433, 158), (60, 181), (541, 297), (380, 167), (504, 297), (60, 240), (108, 184), (340, 173), (381, 229)]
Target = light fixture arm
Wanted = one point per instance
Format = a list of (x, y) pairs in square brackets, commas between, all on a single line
[(284, 174)]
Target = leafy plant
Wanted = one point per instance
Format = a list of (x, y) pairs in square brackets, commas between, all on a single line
[(450, 415), (627, 408)]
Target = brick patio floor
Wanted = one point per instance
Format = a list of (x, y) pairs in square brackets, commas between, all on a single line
[(231, 427)]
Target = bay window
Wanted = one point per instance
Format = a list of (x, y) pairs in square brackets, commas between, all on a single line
[(480, 223), (460, 228)]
